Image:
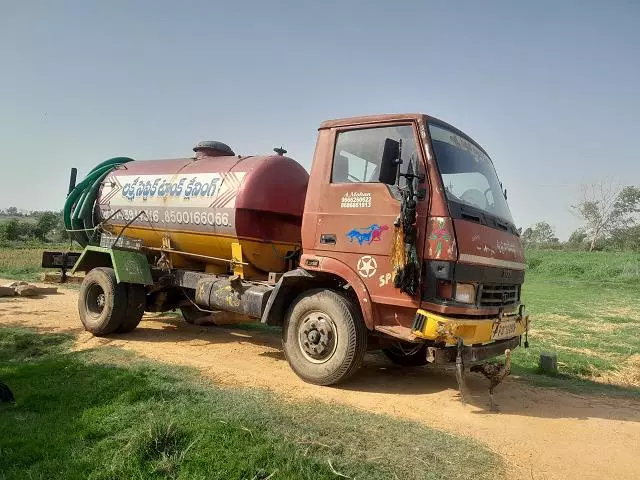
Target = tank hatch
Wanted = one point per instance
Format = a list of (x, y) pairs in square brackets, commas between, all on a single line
[(212, 148)]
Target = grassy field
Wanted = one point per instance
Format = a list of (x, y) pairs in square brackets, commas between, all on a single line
[(105, 414), (23, 262), (585, 308)]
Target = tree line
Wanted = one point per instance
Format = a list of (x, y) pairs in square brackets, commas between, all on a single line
[(36, 226), (610, 216)]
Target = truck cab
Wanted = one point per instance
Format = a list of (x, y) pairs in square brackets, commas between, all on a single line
[(470, 257)]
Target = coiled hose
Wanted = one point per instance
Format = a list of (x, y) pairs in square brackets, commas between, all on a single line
[(79, 206)]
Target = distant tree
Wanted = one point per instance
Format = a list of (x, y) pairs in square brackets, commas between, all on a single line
[(627, 207), (577, 240), (539, 235), (46, 223), (61, 232), (10, 230), (625, 238), (12, 211), (605, 208)]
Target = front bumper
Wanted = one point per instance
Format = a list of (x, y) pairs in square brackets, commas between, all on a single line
[(471, 354), (447, 330)]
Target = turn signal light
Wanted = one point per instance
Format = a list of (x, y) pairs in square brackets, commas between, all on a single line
[(465, 293)]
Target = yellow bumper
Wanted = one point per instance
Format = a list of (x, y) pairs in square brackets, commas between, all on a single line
[(431, 326)]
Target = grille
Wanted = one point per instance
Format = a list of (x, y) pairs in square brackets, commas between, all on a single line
[(499, 295)]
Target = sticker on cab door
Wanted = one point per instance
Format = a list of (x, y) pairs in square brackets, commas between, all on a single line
[(367, 266), (372, 233), (356, 200)]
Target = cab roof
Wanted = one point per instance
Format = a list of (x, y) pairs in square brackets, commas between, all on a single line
[(391, 117), (395, 117)]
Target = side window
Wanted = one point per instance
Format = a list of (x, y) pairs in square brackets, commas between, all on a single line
[(358, 153)]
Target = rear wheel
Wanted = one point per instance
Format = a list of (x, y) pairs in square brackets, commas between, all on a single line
[(324, 337), (406, 354), (102, 302)]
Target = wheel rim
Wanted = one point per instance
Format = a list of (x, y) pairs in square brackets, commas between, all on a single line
[(317, 337), (95, 300)]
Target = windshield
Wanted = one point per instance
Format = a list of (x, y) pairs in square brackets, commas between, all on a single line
[(467, 173)]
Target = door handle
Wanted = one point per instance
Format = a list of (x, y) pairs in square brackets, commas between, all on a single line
[(328, 238)]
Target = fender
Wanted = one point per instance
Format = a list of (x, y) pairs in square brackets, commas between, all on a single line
[(277, 303), (342, 270), (129, 266)]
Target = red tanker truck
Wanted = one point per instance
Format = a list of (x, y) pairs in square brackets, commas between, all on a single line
[(399, 239)]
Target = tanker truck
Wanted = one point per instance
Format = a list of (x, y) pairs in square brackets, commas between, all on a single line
[(399, 239)]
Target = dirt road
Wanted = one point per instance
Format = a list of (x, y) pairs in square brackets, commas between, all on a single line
[(541, 433)]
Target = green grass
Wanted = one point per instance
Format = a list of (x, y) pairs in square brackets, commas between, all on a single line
[(584, 306), (21, 261), (615, 268), (105, 414)]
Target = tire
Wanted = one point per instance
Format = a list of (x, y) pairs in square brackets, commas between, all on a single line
[(136, 303), (102, 302), (192, 314), (407, 355), (340, 338)]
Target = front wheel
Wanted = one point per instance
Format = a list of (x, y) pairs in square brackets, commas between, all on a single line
[(324, 337)]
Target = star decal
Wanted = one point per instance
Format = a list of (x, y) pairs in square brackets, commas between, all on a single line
[(367, 266)]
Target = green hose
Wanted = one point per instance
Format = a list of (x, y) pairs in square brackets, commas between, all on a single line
[(79, 206)]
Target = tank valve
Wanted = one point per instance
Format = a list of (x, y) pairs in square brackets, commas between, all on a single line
[(280, 151)]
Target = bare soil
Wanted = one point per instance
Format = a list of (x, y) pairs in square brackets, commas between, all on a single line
[(540, 433)]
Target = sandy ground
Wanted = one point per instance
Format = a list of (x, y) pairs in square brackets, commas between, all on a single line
[(541, 433)]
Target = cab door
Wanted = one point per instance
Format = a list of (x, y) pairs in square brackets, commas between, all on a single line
[(356, 213)]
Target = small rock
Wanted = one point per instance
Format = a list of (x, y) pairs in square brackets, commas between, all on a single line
[(549, 362), (47, 290), (7, 291), (31, 290), (27, 290)]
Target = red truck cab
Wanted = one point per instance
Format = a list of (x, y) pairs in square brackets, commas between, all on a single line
[(471, 259)]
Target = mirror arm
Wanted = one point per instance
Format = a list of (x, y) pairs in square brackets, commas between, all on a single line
[(398, 162), (413, 176)]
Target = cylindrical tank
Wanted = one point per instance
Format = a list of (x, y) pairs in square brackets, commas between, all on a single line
[(203, 205)]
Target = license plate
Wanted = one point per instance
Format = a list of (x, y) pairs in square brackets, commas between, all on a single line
[(503, 329)]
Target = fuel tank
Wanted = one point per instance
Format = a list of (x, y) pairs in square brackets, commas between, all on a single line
[(201, 206)]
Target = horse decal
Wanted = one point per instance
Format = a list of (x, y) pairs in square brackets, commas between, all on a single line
[(372, 233)]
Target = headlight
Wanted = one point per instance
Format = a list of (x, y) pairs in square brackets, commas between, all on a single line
[(465, 293)]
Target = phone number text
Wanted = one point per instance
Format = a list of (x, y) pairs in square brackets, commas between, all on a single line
[(181, 217)]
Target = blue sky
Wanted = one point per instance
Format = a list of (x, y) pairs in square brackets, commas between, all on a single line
[(550, 89)]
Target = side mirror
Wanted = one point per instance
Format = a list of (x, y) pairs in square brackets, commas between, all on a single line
[(390, 161)]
